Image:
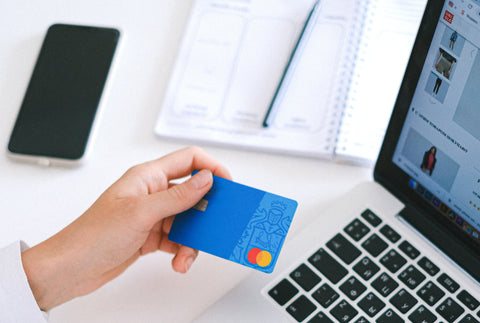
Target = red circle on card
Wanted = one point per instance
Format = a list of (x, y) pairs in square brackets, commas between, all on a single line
[(252, 255)]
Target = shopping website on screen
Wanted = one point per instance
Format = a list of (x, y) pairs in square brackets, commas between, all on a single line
[(439, 146)]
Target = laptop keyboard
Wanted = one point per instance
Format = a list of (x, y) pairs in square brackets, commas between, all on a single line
[(367, 273)]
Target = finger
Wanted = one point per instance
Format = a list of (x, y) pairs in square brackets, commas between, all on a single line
[(182, 253), (153, 240), (183, 162), (157, 173), (176, 199), (168, 246), (184, 259), (167, 224)]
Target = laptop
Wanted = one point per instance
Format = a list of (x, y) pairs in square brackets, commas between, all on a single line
[(404, 247)]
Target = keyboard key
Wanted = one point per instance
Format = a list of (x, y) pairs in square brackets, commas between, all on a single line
[(389, 317), (390, 234), (468, 300), (353, 288), (320, 317), (374, 245), (430, 293), (366, 268), (301, 308), (428, 266), (343, 248), (393, 261), (305, 277), (325, 295), (403, 301), (371, 218), (384, 284), (328, 266), (283, 292), (361, 319), (422, 315), (447, 282), (356, 229), (468, 319), (409, 250), (450, 310), (343, 311), (371, 304), (412, 277)]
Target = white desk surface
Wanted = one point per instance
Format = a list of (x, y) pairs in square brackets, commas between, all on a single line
[(36, 202)]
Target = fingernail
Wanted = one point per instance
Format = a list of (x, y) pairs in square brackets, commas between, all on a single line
[(201, 178), (188, 263)]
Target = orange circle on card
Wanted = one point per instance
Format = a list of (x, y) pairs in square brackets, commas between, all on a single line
[(252, 255), (264, 258)]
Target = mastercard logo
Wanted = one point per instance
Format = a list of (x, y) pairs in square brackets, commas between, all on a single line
[(259, 257)]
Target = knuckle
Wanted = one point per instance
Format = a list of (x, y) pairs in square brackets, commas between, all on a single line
[(139, 170), (195, 150), (179, 192), (134, 170)]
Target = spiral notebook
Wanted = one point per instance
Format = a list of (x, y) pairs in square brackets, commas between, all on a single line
[(233, 56)]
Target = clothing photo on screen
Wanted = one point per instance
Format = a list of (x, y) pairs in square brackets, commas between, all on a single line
[(424, 153), (437, 86), (429, 161), (445, 63), (453, 39)]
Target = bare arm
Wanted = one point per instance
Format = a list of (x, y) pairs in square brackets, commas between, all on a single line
[(131, 218)]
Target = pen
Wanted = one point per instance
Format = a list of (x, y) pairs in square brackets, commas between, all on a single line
[(292, 63)]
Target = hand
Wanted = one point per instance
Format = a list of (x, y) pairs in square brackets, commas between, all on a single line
[(130, 219)]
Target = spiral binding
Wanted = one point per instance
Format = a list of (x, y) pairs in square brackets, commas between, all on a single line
[(359, 50)]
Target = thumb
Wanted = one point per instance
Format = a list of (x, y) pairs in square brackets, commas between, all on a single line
[(177, 198)]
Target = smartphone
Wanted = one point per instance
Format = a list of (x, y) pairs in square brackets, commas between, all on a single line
[(57, 114)]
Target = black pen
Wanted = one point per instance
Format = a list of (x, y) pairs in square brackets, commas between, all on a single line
[(292, 63)]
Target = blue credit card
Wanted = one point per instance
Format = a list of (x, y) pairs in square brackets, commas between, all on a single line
[(238, 223)]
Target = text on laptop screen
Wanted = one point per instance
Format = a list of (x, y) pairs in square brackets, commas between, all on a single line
[(439, 146)]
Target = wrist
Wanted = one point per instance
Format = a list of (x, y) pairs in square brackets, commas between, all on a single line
[(46, 277)]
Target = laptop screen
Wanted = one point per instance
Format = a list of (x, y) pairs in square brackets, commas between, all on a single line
[(433, 138), (439, 145)]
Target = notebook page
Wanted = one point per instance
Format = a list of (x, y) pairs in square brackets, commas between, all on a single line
[(388, 38), (230, 62)]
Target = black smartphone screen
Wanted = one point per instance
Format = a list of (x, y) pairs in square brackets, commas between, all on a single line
[(64, 92)]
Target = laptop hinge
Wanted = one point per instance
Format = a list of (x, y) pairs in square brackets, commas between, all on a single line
[(460, 252)]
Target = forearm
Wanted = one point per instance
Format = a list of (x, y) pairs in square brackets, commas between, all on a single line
[(67, 265), (47, 275)]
